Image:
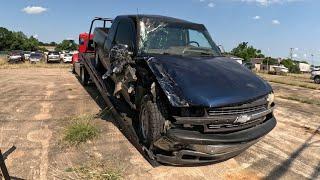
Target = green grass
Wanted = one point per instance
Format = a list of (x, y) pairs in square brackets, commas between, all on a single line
[(96, 171), (80, 130), (302, 100)]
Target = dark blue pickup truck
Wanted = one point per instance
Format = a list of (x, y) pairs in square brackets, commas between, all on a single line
[(192, 105)]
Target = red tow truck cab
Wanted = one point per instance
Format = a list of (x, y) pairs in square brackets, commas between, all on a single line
[(83, 46)]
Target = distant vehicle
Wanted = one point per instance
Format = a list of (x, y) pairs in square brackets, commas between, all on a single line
[(280, 70), (315, 75), (53, 56), (16, 57), (67, 58), (26, 55), (239, 60), (35, 57)]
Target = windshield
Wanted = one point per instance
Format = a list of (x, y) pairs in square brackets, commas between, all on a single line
[(35, 56), (159, 37)]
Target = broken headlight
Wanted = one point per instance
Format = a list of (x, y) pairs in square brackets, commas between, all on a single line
[(270, 99)]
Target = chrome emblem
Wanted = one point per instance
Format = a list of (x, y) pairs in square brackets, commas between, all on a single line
[(242, 119)]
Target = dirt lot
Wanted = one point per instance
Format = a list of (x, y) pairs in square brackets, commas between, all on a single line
[(37, 103)]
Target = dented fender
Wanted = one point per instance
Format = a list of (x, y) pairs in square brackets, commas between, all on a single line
[(168, 85)]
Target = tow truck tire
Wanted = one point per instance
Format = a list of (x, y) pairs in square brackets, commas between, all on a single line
[(84, 77), (151, 120), (317, 79)]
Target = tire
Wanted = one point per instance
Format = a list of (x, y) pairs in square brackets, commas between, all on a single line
[(317, 79), (84, 77), (73, 69), (151, 120)]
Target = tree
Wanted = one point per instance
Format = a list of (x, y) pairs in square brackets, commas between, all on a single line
[(67, 45), (243, 50), (270, 61), (291, 65)]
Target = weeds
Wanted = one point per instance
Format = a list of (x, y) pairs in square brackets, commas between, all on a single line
[(96, 171), (81, 130)]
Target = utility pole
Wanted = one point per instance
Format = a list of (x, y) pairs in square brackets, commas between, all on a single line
[(291, 53), (312, 59)]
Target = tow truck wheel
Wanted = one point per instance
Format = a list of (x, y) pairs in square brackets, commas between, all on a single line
[(84, 77), (317, 79), (151, 121)]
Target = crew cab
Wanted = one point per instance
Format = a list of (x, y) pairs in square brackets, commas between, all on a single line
[(315, 76), (192, 104)]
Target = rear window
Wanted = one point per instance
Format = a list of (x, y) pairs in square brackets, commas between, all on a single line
[(53, 53)]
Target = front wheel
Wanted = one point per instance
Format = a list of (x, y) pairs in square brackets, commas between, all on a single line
[(151, 120), (317, 79)]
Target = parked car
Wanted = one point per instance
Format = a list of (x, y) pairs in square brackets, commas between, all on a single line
[(279, 70), (27, 55), (67, 58), (53, 56), (16, 57), (35, 57), (315, 76), (192, 104)]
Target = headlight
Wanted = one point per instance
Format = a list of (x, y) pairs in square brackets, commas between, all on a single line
[(270, 100)]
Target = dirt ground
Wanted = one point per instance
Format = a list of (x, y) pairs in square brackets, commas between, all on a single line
[(36, 103)]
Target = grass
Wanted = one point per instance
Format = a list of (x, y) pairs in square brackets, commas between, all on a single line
[(293, 80), (80, 130), (5, 65), (97, 174), (97, 171), (302, 100)]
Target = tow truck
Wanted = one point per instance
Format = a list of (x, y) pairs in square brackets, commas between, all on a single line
[(176, 98)]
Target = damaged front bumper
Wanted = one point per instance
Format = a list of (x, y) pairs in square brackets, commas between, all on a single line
[(192, 147)]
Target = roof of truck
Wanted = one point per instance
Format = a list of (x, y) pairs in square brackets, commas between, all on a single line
[(158, 17)]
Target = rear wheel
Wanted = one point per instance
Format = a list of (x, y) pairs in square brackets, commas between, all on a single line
[(317, 79), (84, 76), (151, 120)]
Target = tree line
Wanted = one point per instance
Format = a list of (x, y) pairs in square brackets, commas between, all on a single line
[(11, 40)]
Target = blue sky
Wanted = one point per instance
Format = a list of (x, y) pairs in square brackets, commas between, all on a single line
[(273, 26)]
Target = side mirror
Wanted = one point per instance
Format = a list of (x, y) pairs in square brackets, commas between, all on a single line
[(120, 52), (90, 46)]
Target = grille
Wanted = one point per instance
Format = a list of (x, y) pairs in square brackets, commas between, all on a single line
[(234, 111)]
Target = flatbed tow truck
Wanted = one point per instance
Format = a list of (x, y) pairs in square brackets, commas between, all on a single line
[(168, 88)]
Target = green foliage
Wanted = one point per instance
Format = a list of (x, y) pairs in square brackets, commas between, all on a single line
[(270, 61), (291, 65), (67, 45), (10, 40), (80, 131), (243, 50)]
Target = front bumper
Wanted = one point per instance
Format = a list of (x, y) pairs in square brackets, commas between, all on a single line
[(192, 147)]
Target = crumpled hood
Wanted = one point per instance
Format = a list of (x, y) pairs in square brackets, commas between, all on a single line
[(209, 82)]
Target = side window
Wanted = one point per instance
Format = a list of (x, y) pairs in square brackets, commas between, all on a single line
[(124, 34), (198, 38)]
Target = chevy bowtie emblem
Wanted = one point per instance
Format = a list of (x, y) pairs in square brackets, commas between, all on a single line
[(242, 119)]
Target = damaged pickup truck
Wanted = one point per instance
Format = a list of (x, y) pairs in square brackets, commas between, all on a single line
[(192, 104)]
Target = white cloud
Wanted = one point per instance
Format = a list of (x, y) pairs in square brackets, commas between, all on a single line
[(35, 36), (211, 4), (256, 17), (268, 2), (275, 22), (34, 9), (202, 0)]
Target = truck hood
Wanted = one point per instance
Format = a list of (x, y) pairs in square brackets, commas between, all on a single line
[(206, 81)]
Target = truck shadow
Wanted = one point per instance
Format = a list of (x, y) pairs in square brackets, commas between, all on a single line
[(125, 126), (281, 169)]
